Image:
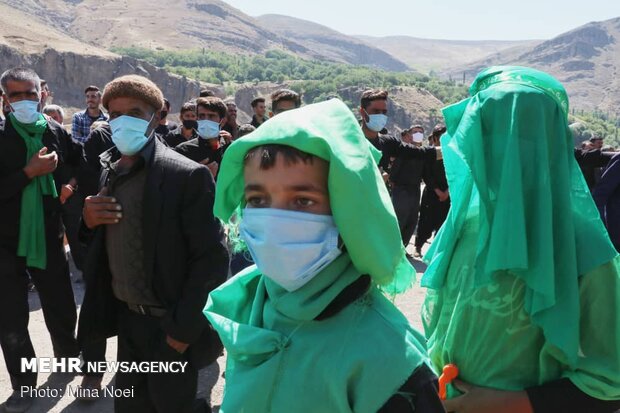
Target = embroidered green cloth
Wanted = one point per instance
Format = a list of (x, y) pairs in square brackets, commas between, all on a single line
[(523, 256), (31, 221)]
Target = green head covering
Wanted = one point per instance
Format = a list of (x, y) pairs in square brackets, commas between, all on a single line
[(359, 200), (509, 161)]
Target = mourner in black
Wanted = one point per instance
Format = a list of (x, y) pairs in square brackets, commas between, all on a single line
[(207, 148), (187, 130), (37, 158), (435, 198), (156, 251)]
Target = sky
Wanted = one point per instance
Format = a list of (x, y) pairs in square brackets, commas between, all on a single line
[(442, 19)]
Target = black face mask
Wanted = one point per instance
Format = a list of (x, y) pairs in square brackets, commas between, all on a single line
[(190, 124), (163, 114)]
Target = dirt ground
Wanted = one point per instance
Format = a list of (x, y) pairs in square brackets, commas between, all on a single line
[(210, 377)]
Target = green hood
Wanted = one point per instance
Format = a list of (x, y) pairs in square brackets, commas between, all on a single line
[(509, 161), (361, 205)]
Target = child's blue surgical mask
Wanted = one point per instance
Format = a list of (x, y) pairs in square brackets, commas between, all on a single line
[(129, 134), (26, 111), (208, 129), (376, 123), (289, 247)]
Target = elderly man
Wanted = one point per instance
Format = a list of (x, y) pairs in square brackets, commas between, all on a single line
[(156, 251), (37, 158), (55, 112)]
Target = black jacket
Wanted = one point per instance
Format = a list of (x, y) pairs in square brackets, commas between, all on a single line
[(13, 179), (99, 141), (185, 256), (591, 160)]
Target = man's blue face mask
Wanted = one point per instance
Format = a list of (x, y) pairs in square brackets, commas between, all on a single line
[(26, 111), (289, 247), (377, 122), (129, 134), (208, 129)]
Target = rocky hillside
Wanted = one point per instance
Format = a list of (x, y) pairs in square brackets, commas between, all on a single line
[(333, 45), (70, 66), (586, 60), (190, 24), (426, 55)]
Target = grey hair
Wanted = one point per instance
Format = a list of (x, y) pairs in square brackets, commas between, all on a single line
[(20, 74), (49, 109)]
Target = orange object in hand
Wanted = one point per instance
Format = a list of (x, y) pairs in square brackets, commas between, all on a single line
[(450, 372)]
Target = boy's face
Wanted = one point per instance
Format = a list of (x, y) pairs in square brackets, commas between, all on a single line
[(297, 186)]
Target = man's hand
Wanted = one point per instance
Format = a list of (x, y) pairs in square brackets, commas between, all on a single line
[(66, 192), (228, 138), (101, 210), (439, 153), (213, 166), (486, 400), (442, 195), (41, 164), (179, 346)]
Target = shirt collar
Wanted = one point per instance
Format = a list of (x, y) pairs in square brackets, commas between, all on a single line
[(112, 155)]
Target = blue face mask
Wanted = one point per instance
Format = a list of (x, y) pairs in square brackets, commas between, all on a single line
[(129, 134), (207, 129), (289, 247), (26, 111), (376, 123)]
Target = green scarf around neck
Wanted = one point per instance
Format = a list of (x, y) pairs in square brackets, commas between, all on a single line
[(31, 221), (508, 154)]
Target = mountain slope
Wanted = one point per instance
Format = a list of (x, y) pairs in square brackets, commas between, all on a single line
[(69, 65), (586, 60), (436, 55), (186, 24), (333, 45)]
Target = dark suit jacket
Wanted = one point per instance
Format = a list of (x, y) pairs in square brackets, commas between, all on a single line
[(185, 256), (13, 180), (606, 194)]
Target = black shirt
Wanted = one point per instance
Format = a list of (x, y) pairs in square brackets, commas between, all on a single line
[(176, 138), (199, 149), (164, 130), (99, 141), (255, 122)]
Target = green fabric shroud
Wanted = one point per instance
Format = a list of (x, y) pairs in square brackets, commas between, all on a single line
[(31, 221), (523, 256), (361, 205), (280, 358)]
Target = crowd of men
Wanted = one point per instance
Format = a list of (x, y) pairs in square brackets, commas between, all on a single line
[(139, 223)]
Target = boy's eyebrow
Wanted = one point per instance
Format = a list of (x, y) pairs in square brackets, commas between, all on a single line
[(307, 188), (254, 187)]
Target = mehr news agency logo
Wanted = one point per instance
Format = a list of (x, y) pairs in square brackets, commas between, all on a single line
[(77, 366)]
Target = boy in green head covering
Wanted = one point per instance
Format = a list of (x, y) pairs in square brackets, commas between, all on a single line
[(524, 288), (307, 329)]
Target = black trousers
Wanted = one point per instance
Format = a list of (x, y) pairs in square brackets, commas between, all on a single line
[(433, 213), (140, 338), (71, 213), (57, 302), (406, 203)]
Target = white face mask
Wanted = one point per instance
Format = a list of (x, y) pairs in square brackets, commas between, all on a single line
[(418, 137), (289, 247)]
